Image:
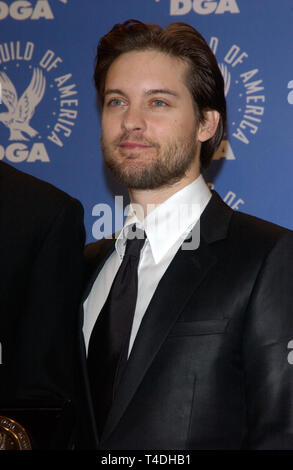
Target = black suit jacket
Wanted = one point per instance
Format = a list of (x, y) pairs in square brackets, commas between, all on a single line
[(41, 270), (209, 368)]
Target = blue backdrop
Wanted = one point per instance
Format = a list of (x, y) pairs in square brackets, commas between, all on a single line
[(47, 52)]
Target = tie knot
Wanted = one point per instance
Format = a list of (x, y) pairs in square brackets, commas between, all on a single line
[(135, 241)]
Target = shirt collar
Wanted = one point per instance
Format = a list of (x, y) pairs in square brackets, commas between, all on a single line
[(170, 221)]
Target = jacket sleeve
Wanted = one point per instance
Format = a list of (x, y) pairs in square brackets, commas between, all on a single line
[(266, 351), (46, 347)]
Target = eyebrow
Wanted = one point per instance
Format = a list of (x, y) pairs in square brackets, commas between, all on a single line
[(161, 91), (155, 91), (114, 91)]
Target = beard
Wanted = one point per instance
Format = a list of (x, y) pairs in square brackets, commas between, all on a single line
[(168, 166)]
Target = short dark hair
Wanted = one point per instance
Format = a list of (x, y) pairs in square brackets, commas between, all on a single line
[(204, 79)]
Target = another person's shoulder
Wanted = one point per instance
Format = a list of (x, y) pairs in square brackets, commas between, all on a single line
[(19, 187)]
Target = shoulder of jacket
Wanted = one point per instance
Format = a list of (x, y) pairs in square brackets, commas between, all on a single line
[(31, 189), (254, 231)]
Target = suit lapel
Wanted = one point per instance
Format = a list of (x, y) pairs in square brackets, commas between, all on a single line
[(182, 278), (96, 263)]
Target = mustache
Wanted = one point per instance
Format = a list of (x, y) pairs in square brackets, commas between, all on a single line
[(134, 138)]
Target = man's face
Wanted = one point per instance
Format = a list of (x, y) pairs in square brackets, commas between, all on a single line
[(149, 131)]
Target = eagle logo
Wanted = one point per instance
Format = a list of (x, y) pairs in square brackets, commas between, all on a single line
[(20, 111)]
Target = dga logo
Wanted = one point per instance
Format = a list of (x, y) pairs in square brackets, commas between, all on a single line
[(203, 7), (244, 91), (23, 9), (38, 105), (20, 111)]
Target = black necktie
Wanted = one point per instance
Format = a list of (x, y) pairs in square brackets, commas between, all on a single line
[(109, 341)]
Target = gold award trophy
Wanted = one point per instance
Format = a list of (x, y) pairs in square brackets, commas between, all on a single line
[(13, 436)]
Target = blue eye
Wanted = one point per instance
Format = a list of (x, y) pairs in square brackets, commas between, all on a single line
[(115, 102), (159, 103)]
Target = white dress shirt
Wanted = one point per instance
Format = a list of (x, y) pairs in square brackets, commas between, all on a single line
[(166, 227)]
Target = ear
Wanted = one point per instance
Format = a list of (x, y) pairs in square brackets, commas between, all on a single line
[(209, 126)]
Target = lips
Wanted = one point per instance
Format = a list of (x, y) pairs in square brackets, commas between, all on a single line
[(128, 145)]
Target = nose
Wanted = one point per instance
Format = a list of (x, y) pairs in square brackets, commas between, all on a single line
[(133, 119)]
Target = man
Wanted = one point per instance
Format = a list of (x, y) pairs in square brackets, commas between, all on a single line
[(206, 364), (41, 270)]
